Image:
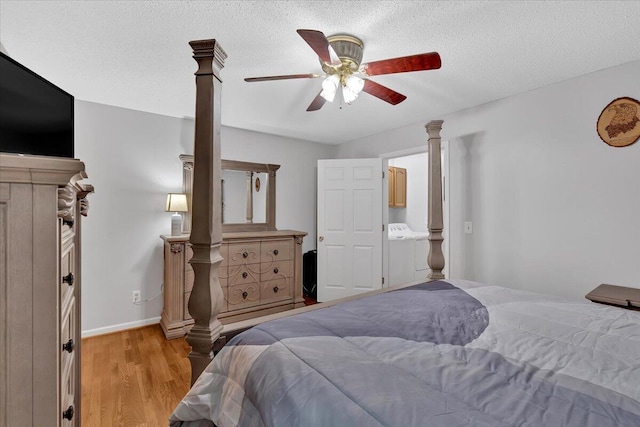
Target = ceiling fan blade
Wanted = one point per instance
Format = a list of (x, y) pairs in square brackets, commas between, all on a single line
[(285, 77), (320, 45), (420, 62), (383, 92), (317, 103)]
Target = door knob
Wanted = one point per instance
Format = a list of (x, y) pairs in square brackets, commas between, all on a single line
[(321, 238)]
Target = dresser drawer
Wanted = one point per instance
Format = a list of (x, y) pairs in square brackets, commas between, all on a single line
[(276, 289), (243, 253), (248, 273), (272, 250), (67, 275), (275, 269), (67, 333), (67, 365), (243, 295), (68, 411), (68, 415), (67, 228)]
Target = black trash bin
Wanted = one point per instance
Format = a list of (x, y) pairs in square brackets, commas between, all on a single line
[(310, 274)]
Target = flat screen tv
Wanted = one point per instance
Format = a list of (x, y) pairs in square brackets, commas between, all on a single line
[(36, 116)]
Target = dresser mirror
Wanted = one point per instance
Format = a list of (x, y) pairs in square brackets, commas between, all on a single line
[(248, 195)]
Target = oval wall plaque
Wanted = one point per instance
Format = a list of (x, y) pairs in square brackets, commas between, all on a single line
[(619, 122)]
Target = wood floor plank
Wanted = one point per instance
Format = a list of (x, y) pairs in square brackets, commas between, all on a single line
[(133, 378)]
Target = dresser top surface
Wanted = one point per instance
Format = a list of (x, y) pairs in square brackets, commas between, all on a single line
[(241, 235), (39, 169)]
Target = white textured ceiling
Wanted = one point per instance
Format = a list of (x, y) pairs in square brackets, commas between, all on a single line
[(135, 54)]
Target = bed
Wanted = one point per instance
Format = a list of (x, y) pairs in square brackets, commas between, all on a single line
[(439, 353), (458, 354)]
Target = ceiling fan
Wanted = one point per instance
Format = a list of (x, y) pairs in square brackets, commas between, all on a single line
[(340, 57)]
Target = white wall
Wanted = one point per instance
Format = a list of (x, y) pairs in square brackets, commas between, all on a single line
[(554, 209), (132, 160), (295, 180)]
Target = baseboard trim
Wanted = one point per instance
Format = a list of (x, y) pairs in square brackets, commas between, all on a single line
[(120, 327)]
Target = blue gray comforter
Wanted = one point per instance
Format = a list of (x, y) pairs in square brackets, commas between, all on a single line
[(444, 354)]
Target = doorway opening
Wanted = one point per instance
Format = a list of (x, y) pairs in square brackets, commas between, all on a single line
[(406, 247)]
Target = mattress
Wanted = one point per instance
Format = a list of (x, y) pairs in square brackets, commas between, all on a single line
[(444, 353)]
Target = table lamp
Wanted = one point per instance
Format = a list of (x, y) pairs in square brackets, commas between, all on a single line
[(176, 202)]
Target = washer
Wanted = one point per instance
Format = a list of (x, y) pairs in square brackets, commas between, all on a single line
[(408, 251)]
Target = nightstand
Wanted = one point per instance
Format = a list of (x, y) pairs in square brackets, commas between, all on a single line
[(618, 296)]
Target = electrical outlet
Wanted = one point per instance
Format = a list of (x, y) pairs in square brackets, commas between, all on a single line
[(135, 296), (468, 227)]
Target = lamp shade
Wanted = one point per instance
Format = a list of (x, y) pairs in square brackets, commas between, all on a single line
[(176, 202), (329, 87)]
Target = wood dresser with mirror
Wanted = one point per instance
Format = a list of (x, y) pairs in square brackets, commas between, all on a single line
[(261, 271)]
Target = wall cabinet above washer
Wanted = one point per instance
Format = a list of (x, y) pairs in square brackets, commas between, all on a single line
[(397, 187)]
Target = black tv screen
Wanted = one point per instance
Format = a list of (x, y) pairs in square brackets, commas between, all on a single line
[(36, 116)]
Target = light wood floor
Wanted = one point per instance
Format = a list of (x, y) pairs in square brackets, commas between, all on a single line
[(133, 378)]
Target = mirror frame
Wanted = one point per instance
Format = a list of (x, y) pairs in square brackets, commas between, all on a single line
[(270, 169)]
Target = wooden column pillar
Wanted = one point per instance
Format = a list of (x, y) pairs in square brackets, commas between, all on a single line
[(271, 197), (249, 202), (435, 259), (206, 228)]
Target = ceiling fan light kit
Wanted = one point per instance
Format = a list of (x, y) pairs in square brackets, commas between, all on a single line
[(330, 87), (340, 57)]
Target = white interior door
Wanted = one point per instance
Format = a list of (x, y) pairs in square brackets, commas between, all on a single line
[(350, 227)]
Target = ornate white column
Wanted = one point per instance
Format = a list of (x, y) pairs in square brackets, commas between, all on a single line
[(435, 259), (206, 228)]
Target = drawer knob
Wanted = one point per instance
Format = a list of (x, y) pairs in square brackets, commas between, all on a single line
[(275, 252), (68, 346), (68, 414), (68, 279), (245, 295), (275, 270), (276, 289), (244, 275), (245, 254)]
